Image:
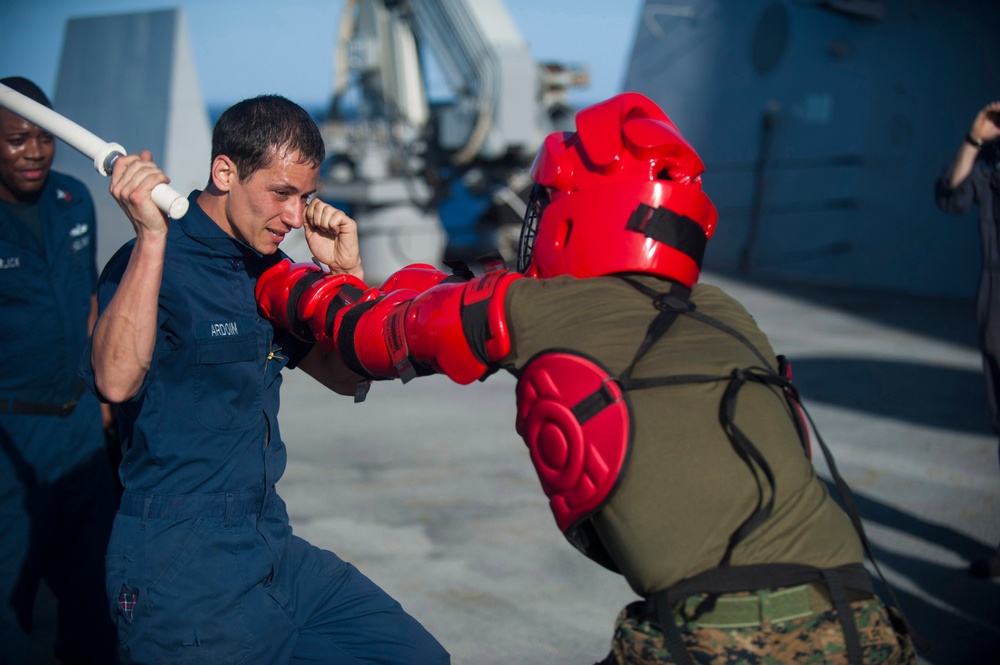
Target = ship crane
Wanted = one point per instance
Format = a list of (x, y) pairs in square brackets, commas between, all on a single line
[(426, 179)]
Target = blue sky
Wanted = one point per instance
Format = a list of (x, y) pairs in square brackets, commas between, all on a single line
[(246, 47)]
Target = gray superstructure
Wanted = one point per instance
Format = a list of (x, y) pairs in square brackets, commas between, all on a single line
[(823, 125)]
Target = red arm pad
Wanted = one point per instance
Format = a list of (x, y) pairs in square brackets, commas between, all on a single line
[(298, 297), (274, 292), (417, 277), (357, 341), (320, 302), (458, 329), (360, 337)]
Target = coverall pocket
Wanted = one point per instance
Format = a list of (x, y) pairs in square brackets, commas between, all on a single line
[(192, 593), (227, 379), (122, 596)]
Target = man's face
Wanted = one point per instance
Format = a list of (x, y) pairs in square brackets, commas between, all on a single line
[(271, 202), (26, 153)]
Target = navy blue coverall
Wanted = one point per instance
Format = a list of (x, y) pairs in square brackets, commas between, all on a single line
[(202, 565), (57, 491)]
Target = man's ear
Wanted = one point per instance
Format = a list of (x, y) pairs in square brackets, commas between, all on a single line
[(224, 174)]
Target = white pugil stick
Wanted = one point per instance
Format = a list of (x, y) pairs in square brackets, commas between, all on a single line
[(104, 154)]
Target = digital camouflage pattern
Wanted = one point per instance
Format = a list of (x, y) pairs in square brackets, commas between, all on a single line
[(811, 640)]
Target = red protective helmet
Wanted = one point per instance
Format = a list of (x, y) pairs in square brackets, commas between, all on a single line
[(622, 194)]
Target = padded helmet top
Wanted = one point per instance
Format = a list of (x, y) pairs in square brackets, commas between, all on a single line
[(621, 194)]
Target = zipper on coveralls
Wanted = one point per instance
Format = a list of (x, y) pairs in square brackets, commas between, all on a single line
[(273, 354)]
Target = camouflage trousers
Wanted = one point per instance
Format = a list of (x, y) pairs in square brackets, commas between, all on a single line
[(816, 639)]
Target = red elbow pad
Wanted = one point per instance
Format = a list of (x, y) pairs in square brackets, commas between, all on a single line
[(304, 299), (277, 292), (323, 299), (457, 328), (362, 337)]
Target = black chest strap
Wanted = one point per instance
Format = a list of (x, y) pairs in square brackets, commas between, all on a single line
[(672, 304)]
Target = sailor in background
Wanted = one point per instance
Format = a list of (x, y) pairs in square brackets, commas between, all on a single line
[(973, 178), (58, 494)]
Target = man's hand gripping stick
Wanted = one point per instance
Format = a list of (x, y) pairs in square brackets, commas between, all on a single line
[(104, 154)]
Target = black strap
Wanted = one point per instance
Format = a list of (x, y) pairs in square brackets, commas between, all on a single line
[(729, 330), (674, 302), (299, 327), (751, 456), (851, 508), (672, 637), (735, 579), (460, 269), (346, 295), (666, 226), (670, 305), (593, 404), (44, 408), (348, 353), (838, 595), (792, 398)]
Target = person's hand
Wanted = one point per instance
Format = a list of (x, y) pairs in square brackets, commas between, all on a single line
[(986, 126), (332, 237), (132, 183)]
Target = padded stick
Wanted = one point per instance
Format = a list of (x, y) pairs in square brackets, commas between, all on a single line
[(104, 154)]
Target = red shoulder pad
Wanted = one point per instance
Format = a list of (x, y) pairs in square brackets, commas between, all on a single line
[(576, 422)]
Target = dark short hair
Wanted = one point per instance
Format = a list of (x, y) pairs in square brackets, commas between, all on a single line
[(26, 88), (249, 132)]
